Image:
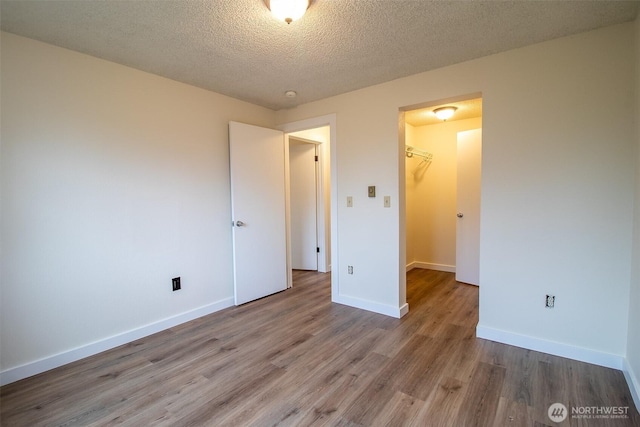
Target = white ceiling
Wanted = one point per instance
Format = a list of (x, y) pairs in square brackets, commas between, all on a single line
[(235, 47)]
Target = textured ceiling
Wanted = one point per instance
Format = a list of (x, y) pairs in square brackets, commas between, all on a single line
[(235, 47)]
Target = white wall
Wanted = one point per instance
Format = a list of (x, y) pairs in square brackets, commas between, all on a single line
[(557, 191), (373, 240), (113, 182), (557, 196), (632, 370), (431, 220)]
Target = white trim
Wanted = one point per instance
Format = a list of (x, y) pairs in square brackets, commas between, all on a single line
[(287, 207), (304, 140), (57, 360), (321, 217), (430, 266), (387, 310), (633, 382), (404, 309), (551, 347), (305, 124)]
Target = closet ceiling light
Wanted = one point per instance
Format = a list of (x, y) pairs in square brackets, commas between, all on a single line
[(444, 113), (287, 10)]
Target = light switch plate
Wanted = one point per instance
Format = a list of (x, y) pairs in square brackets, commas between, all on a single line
[(372, 191), (387, 201), (349, 201)]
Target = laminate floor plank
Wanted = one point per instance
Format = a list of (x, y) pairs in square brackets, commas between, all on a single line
[(402, 410), (428, 369), (511, 413), (231, 395), (465, 356), (129, 395), (482, 397), (315, 393), (36, 404), (296, 359), (163, 407), (445, 402), (398, 337), (522, 369), (410, 371), (551, 386), (74, 403), (329, 403)]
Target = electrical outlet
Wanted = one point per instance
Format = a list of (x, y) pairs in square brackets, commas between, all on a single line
[(350, 269), (550, 301), (175, 283)]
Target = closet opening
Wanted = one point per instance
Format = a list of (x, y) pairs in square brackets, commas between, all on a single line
[(442, 160)]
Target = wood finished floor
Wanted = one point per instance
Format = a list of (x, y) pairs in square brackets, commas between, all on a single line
[(296, 359)]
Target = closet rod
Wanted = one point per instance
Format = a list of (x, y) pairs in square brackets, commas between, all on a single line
[(412, 151)]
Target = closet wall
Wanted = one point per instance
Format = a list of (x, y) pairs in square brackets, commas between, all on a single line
[(431, 194)]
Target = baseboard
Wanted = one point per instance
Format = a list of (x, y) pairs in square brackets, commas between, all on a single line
[(551, 347), (430, 266), (327, 270), (387, 310), (24, 371), (403, 310), (634, 383)]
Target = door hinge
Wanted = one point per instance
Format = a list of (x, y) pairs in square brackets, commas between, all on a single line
[(316, 158), (318, 250)]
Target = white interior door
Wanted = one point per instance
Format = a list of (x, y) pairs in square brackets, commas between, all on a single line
[(257, 159), (302, 172), (468, 206)]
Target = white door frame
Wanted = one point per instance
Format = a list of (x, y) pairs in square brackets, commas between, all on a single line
[(312, 123), (319, 232)]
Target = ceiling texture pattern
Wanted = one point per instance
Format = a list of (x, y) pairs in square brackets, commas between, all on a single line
[(237, 48)]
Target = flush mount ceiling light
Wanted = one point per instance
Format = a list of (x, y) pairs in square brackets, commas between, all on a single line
[(291, 94), (444, 113), (287, 10)]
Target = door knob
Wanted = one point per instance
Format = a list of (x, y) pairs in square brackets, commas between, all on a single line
[(239, 224), (460, 215)]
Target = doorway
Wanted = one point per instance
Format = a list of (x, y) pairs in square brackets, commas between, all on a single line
[(303, 203), (251, 201), (439, 190), (320, 131)]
